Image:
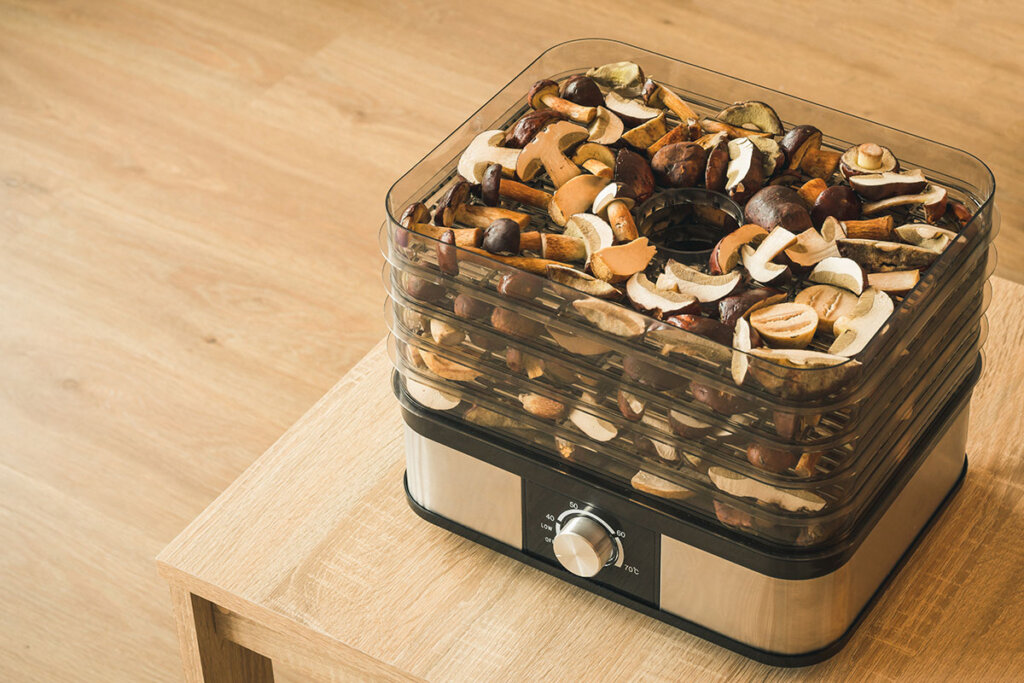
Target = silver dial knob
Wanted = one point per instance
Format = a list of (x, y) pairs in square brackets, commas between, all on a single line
[(583, 546)]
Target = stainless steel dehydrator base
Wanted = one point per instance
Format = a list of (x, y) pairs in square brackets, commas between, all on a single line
[(770, 614)]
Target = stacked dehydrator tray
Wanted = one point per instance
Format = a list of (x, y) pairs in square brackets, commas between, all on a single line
[(763, 515)]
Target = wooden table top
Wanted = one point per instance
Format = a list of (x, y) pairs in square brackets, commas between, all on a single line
[(318, 561)]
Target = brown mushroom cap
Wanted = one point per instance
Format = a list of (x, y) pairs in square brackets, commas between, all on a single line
[(634, 173), (490, 185), (777, 205), (528, 125), (456, 196), (582, 90), (417, 213), (539, 89), (681, 164), (752, 113), (838, 201), (882, 158), (718, 164), (797, 142)]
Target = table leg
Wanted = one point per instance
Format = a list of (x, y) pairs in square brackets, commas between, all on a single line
[(209, 658)]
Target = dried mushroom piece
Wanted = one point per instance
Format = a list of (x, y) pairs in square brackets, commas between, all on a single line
[(858, 328), (656, 486), (876, 256), (611, 317), (577, 279), (428, 396), (793, 500), (484, 150)]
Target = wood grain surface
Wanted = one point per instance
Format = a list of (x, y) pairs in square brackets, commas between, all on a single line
[(315, 540), (189, 196)]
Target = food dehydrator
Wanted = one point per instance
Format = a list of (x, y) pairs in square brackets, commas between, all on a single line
[(622, 454)]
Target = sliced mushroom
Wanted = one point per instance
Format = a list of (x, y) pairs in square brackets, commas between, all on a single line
[(448, 369), (611, 318), (647, 133), (619, 262), (547, 150), (875, 186), (868, 158), (793, 500), (595, 158), (631, 407), (591, 425), (732, 308), (542, 406), (633, 112), (726, 254), (752, 115), (575, 196), (772, 156), (802, 145), (789, 325), (857, 329), (615, 203), (829, 303), (528, 125), (741, 346), (656, 94), (879, 228), (626, 77), (877, 256), (687, 426), (656, 486), (758, 262), (606, 128), (926, 236), (933, 200), (678, 134), (841, 272), (595, 233), (895, 281), (428, 396), (660, 302), (577, 279), (689, 280), (745, 173), (811, 248), (485, 150), (579, 345), (444, 334)]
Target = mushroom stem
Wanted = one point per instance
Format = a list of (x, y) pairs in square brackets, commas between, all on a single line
[(530, 264), (598, 168), (676, 104), (869, 156), (482, 216), (574, 111), (464, 237), (880, 228), (621, 221), (562, 248), (713, 126), (524, 194), (529, 241)]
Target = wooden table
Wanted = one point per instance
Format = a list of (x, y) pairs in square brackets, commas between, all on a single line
[(313, 558)]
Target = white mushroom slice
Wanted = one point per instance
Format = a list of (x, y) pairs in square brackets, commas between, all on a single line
[(445, 334), (630, 108), (855, 331), (578, 345), (895, 281), (933, 199), (697, 284), (432, 398), (687, 426), (758, 262), (793, 500), (926, 236), (484, 151), (656, 486), (595, 232), (591, 425), (646, 296), (611, 317), (839, 271), (606, 128), (741, 346)]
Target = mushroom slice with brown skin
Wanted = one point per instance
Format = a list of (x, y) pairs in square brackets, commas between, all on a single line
[(868, 158), (606, 128), (542, 406), (448, 369), (878, 257), (792, 500), (647, 133), (858, 328), (758, 262), (631, 407), (678, 134), (832, 229), (430, 397), (811, 248), (829, 303), (933, 200), (582, 90), (841, 272), (875, 186), (591, 425), (633, 171), (704, 287), (547, 150), (897, 282), (787, 325), (582, 346), (926, 236), (595, 232), (732, 308), (575, 196), (656, 486), (485, 150), (687, 426), (611, 317), (633, 112), (626, 77), (528, 125), (619, 262), (785, 371), (752, 115), (811, 190), (726, 254), (596, 159), (577, 279), (659, 302), (772, 156), (544, 95), (838, 201), (745, 172), (615, 204), (716, 172), (802, 145)]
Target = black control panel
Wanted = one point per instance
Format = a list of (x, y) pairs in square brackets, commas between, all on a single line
[(633, 569)]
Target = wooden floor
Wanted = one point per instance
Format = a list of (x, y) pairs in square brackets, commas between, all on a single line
[(189, 197)]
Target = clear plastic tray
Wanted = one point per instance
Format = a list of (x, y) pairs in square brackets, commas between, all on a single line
[(753, 419), (967, 179), (758, 515), (480, 362)]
